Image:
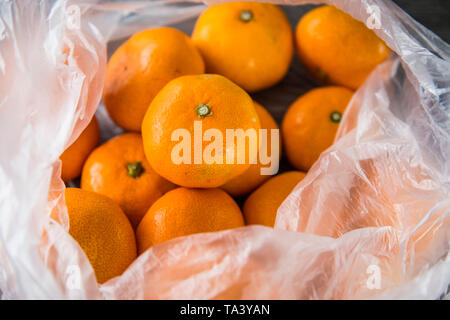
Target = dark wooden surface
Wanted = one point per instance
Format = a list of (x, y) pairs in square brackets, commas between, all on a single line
[(433, 14)]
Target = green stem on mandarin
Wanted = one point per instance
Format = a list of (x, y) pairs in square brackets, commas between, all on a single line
[(203, 110), (322, 75), (336, 116), (246, 15), (135, 169)]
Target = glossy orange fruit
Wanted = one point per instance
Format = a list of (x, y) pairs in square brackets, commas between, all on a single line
[(75, 155), (252, 177), (311, 122), (337, 48), (262, 205), (184, 211), (141, 67), (103, 232), (185, 111), (118, 169), (251, 43)]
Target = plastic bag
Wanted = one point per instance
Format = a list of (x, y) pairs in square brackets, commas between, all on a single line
[(382, 188)]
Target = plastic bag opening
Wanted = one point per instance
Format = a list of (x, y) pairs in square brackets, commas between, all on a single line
[(371, 219)]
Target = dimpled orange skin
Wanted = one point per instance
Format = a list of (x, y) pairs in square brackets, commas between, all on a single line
[(103, 232), (175, 108), (73, 158), (307, 127), (262, 205), (106, 172), (255, 54), (252, 177), (185, 211), (141, 67), (337, 48)]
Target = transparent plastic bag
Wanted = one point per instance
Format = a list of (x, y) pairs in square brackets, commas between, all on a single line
[(382, 188)]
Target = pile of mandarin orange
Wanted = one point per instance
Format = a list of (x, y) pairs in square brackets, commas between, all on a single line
[(133, 196)]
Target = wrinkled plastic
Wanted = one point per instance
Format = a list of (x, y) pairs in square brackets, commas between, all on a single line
[(370, 220)]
